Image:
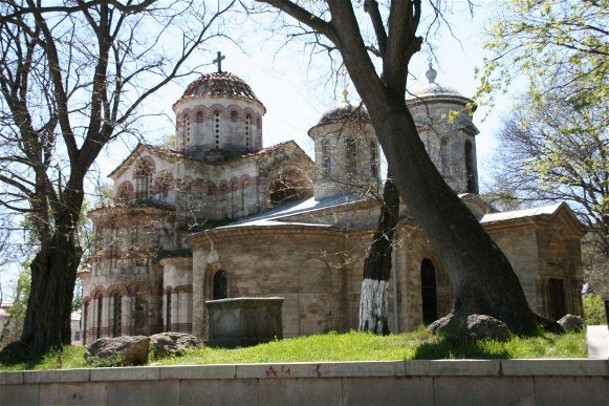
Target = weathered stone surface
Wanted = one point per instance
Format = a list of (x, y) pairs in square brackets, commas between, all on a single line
[(571, 322), (173, 343), (481, 327), (128, 350), (475, 327)]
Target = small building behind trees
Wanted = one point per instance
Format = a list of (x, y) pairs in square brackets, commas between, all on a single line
[(219, 216)]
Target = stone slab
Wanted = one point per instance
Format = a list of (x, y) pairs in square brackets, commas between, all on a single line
[(555, 367), (23, 394), (198, 372), (460, 390), (300, 391), (388, 391), (145, 393), (11, 377), (73, 394), (372, 368), (219, 392), (125, 374), (57, 376), (453, 368), (562, 390)]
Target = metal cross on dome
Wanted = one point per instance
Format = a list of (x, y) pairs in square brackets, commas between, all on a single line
[(219, 60)]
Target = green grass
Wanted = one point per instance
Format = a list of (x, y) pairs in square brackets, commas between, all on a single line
[(350, 346)]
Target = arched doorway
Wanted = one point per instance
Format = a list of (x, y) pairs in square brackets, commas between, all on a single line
[(220, 290), (429, 292)]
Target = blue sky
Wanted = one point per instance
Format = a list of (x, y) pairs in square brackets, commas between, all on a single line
[(296, 93)]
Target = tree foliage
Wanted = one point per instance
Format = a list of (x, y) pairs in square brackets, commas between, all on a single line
[(73, 77), (555, 146), (554, 44)]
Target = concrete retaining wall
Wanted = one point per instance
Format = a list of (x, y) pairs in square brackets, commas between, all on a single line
[(470, 382)]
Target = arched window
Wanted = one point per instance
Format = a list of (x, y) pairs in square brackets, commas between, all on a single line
[(124, 194), (350, 156), (117, 315), (217, 128), (143, 179), (287, 186), (199, 116), (220, 290), (428, 292), (470, 166), (326, 158)]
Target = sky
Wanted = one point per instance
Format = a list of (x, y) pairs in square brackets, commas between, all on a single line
[(295, 90)]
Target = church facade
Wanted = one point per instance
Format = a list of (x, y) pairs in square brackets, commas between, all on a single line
[(219, 216)]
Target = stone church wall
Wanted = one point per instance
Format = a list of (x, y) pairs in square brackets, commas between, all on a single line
[(304, 265)]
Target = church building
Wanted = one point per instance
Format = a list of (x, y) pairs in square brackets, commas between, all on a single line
[(220, 216)]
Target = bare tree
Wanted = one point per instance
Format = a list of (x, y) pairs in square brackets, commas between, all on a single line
[(72, 78), (482, 278)]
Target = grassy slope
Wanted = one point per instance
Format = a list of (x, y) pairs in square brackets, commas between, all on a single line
[(351, 346)]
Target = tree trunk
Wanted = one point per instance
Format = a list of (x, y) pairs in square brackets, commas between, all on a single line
[(47, 319), (377, 266), (482, 278)]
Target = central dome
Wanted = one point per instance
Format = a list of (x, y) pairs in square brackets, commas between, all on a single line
[(219, 84), (345, 112)]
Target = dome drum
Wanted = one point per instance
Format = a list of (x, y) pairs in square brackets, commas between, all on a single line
[(218, 118)]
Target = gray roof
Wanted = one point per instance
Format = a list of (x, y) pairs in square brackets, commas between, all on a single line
[(517, 214)]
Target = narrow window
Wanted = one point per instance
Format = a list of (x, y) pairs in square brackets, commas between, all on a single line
[(326, 158), (187, 129), (85, 319), (248, 121), (351, 158), (117, 315), (99, 317), (217, 128), (472, 187), (199, 116), (220, 285), (373, 163), (168, 312), (143, 180)]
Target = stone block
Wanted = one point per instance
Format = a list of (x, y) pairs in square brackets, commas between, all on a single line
[(11, 377), (219, 392), (372, 368), (124, 374), (459, 390), (56, 376), (22, 394), (453, 368), (145, 393), (199, 372), (300, 391), (562, 390), (244, 321), (555, 367), (388, 391), (73, 394)]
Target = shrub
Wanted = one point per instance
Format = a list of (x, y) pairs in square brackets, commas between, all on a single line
[(594, 309)]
